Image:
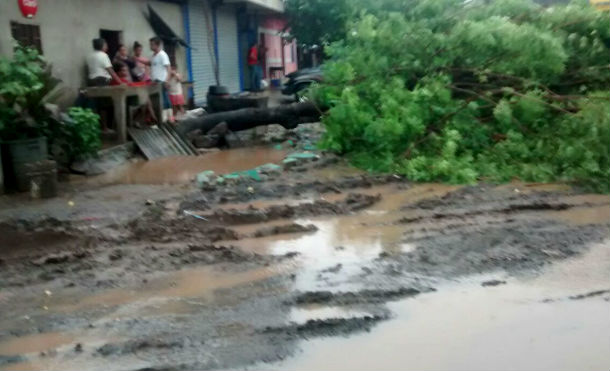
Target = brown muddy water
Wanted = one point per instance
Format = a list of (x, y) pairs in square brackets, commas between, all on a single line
[(183, 169), (529, 323)]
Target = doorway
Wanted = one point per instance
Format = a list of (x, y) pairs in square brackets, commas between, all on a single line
[(113, 39)]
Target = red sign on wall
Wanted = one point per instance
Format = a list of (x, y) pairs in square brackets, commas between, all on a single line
[(28, 7)]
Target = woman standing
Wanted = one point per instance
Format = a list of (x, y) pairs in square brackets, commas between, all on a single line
[(121, 57), (141, 69)]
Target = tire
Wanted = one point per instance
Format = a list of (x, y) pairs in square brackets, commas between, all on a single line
[(218, 90)]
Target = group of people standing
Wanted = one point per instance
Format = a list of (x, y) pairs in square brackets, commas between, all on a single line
[(136, 70)]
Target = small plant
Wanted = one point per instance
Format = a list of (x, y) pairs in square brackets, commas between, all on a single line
[(79, 134)]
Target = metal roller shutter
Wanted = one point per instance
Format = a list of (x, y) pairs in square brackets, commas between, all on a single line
[(203, 72), (228, 48)]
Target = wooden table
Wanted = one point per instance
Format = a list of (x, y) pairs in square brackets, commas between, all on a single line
[(119, 95)]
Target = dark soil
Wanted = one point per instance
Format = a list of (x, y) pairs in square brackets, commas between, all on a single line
[(326, 327), (360, 297), (353, 202), (285, 229)]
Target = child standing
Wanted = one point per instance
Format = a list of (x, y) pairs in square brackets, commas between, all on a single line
[(176, 97)]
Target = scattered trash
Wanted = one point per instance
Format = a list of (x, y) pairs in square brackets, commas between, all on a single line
[(71, 203), (150, 202), (192, 114), (48, 292), (186, 212), (78, 347), (303, 156), (252, 174), (45, 307), (277, 146), (250, 190), (258, 174), (204, 179), (299, 157), (269, 169)]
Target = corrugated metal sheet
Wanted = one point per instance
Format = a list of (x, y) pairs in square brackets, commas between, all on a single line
[(162, 141), (228, 48)]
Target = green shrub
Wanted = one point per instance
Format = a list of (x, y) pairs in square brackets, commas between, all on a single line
[(79, 136)]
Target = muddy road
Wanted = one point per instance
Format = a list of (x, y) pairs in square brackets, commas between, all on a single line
[(315, 267)]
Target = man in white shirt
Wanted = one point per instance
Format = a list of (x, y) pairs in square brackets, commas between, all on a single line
[(99, 66), (160, 68), (160, 64)]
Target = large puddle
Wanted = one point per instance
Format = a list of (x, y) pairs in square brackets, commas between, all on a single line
[(465, 326), (183, 169)]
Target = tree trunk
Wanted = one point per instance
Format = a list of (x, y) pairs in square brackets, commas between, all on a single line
[(289, 116)]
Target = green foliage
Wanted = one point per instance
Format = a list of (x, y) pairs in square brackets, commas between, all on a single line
[(442, 90), (25, 81), (317, 22), (79, 136)]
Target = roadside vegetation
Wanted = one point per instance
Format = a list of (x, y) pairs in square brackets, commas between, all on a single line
[(460, 92), (27, 93)]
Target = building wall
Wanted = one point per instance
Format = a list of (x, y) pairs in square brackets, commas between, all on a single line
[(273, 28), (68, 26)]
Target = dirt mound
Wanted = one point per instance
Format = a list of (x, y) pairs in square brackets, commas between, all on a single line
[(287, 189), (326, 327), (285, 229), (251, 215), (178, 229), (139, 345), (511, 245), (359, 297)]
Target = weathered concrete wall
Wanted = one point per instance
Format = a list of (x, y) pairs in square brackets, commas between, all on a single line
[(273, 27), (68, 26)]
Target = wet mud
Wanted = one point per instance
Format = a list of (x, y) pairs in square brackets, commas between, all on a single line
[(249, 274)]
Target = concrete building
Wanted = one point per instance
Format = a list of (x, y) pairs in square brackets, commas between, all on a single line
[(229, 27), (64, 30), (218, 32)]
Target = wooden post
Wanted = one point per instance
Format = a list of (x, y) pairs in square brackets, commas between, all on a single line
[(120, 115)]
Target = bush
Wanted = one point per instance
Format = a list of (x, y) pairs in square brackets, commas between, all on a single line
[(26, 86), (79, 136), (459, 92), (25, 82)]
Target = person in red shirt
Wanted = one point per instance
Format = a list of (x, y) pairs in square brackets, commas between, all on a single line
[(122, 72), (255, 68)]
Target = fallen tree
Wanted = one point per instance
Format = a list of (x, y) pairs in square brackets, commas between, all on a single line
[(289, 116), (465, 91)]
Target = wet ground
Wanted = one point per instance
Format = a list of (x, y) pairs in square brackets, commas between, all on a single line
[(317, 267)]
